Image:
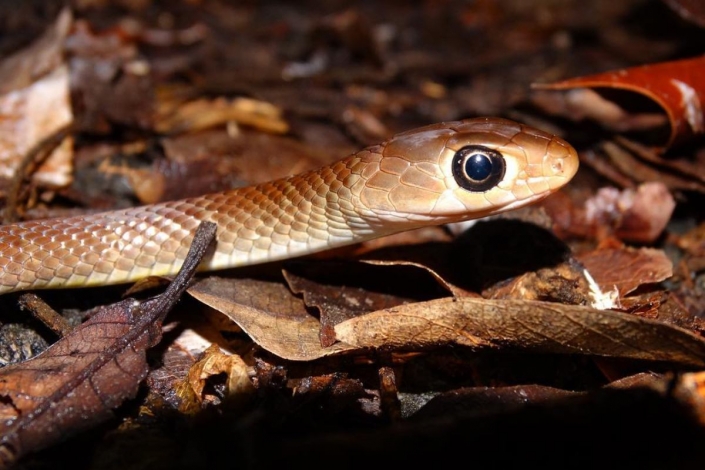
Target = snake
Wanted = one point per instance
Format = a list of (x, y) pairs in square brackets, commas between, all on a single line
[(433, 175)]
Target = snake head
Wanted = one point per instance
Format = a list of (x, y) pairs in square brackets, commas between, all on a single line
[(462, 170)]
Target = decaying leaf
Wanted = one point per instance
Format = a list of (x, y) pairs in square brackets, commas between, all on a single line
[(216, 159), (525, 325), (79, 380), (693, 243), (166, 381)]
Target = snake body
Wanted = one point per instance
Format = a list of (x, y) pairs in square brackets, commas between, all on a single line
[(437, 174)]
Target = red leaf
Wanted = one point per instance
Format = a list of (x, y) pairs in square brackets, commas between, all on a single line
[(676, 86)]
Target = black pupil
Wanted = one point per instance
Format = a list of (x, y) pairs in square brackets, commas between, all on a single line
[(478, 167)]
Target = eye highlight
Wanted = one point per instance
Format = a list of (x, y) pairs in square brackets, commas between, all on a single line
[(477, 168)]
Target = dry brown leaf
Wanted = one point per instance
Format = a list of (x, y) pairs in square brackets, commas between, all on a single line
[(90, 371), (273, 317), (342, 290), (626, 268), (503, 399), (79, 380), (527, 325)]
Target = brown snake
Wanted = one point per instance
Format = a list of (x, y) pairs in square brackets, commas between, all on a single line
[(428, 176)]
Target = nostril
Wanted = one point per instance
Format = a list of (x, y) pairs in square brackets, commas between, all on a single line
[(557, 167)]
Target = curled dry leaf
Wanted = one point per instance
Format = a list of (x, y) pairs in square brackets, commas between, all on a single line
[(626, 268), (677, 87), (525, 325), (165, 382), (273, 317), (79, 380), (215, 362)]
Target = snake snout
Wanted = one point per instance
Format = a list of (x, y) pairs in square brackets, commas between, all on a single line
[(562, 163)]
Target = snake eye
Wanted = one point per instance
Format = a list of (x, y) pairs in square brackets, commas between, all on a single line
[(477, 168)]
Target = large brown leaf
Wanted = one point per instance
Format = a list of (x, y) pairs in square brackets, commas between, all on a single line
[(526, 325), (269, 313)]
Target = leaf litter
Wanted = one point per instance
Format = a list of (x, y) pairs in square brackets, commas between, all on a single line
[(326, 344)]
